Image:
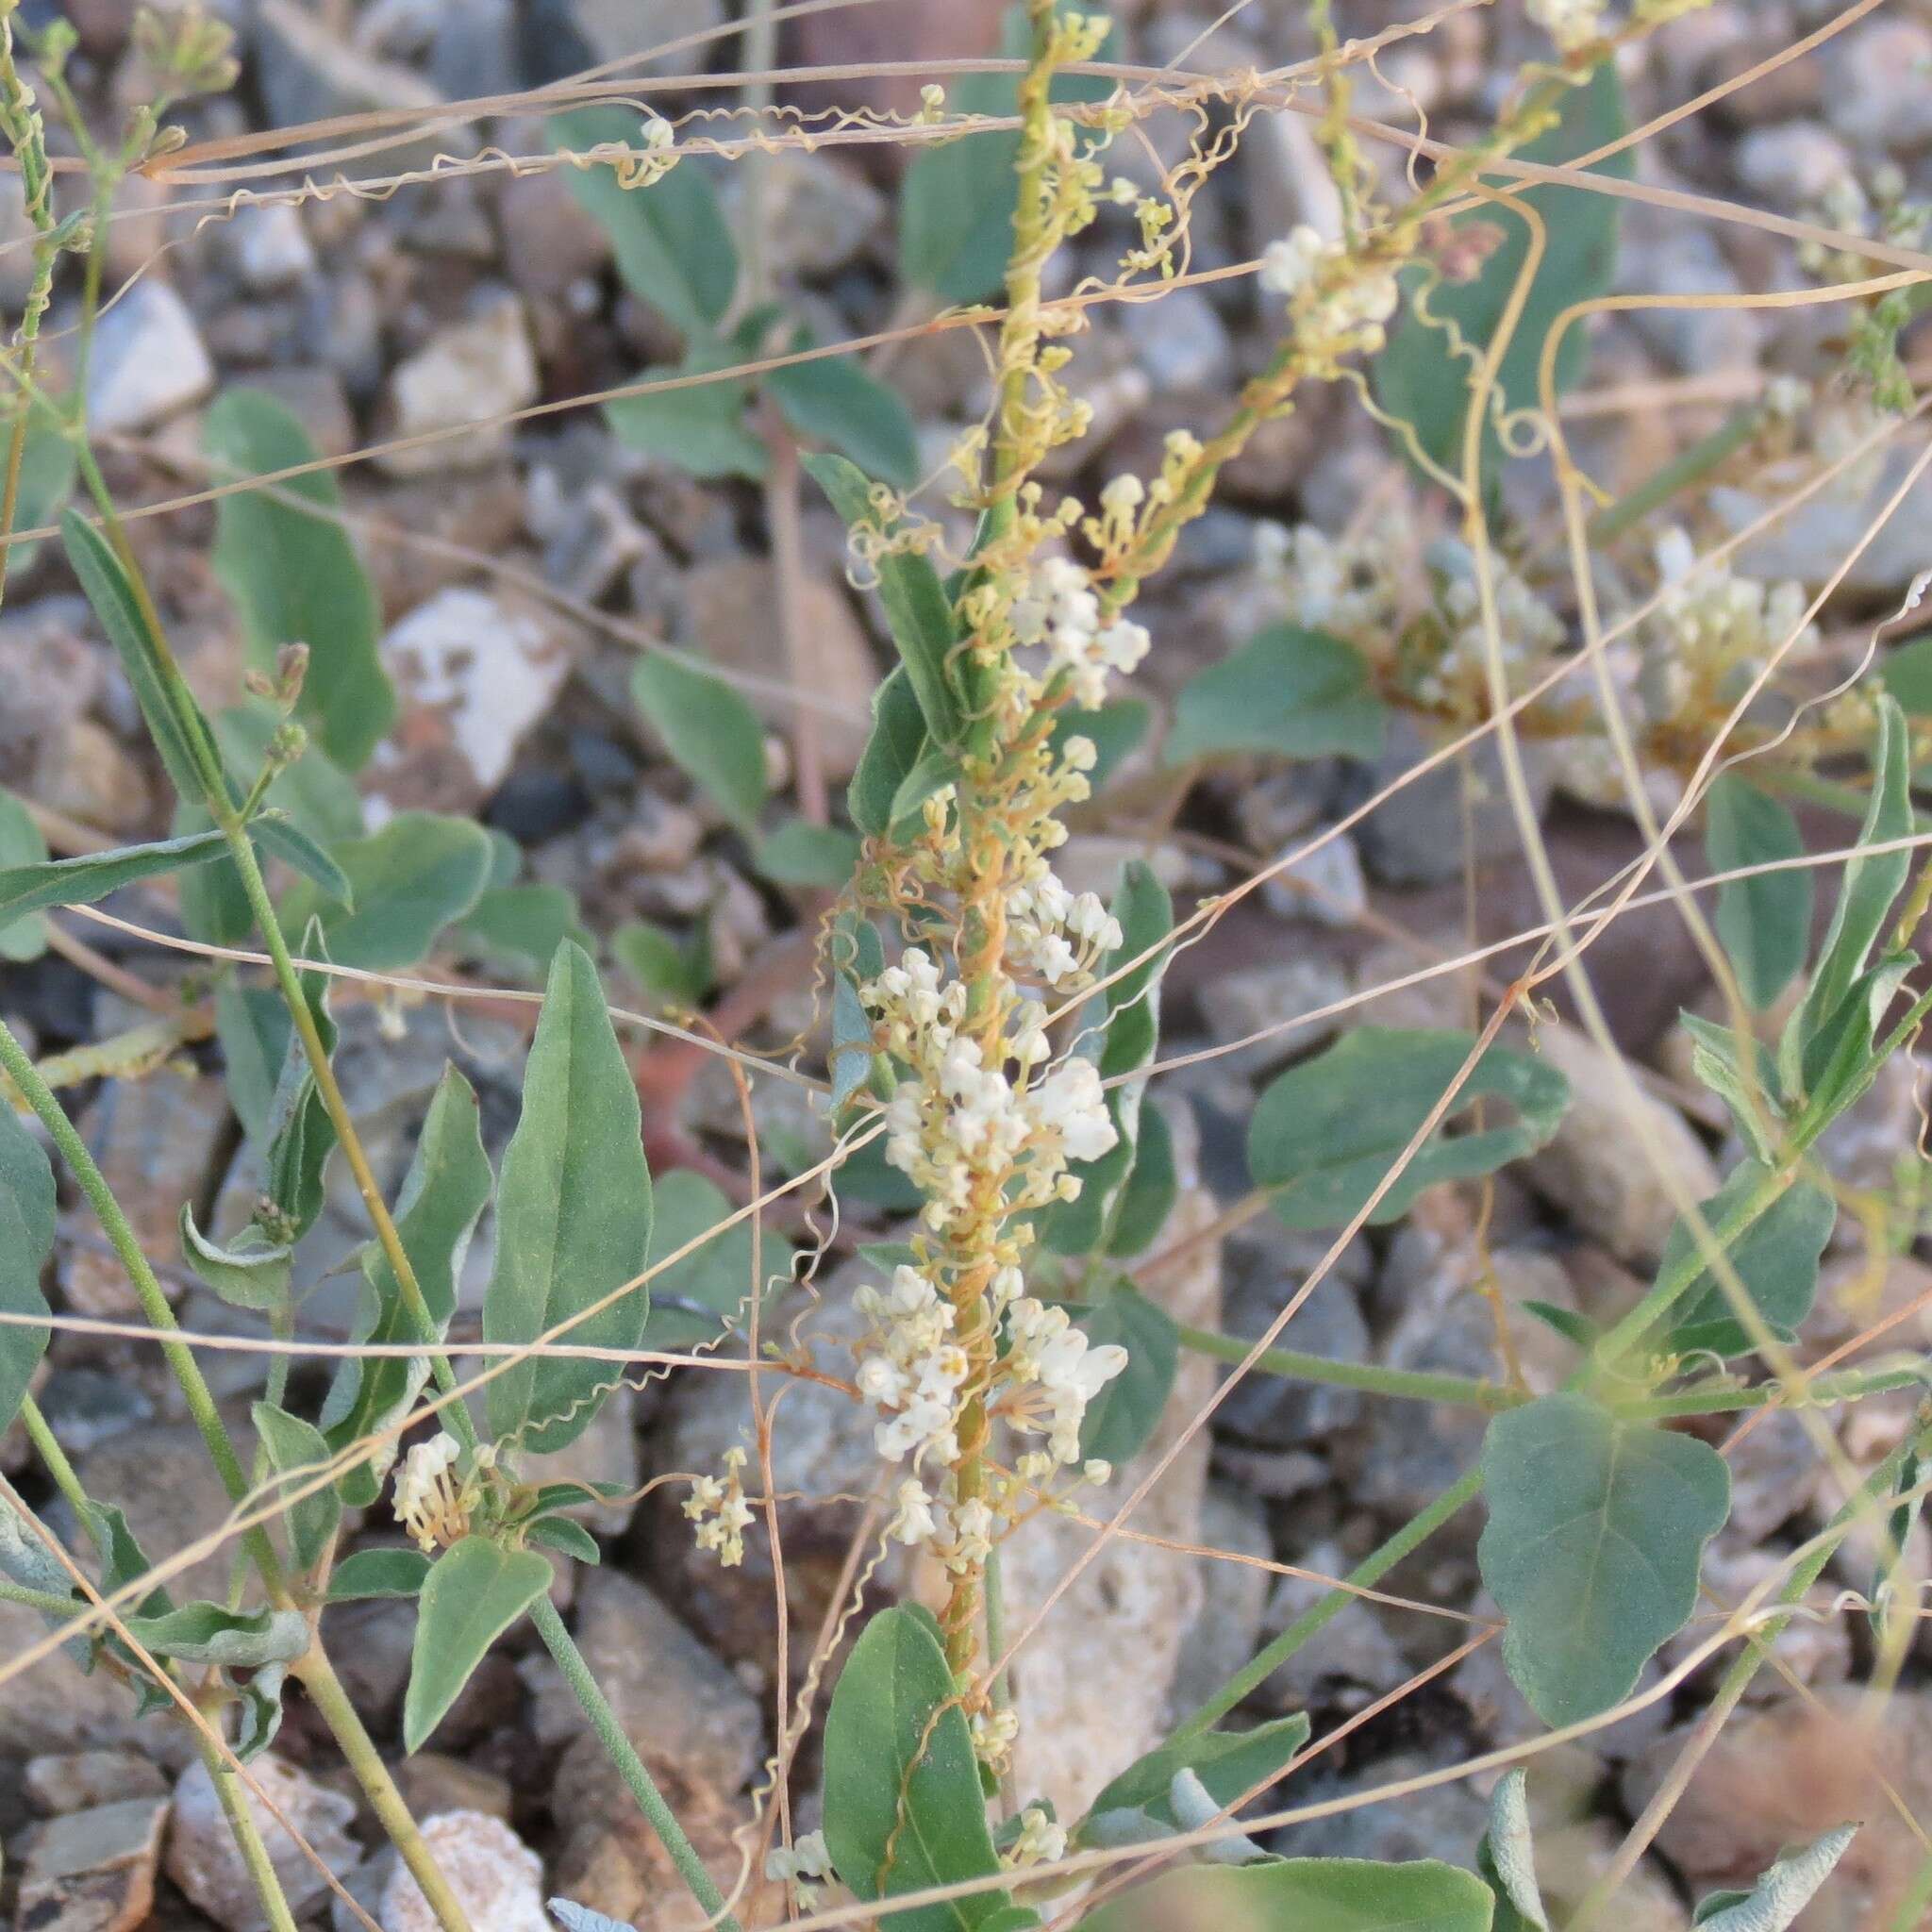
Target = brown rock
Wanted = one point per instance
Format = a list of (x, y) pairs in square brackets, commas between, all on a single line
[(203, 1858), (842, 37), (93, 1870), (80, 1780), (733, 622)]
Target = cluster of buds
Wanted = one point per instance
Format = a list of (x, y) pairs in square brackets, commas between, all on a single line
[(1573, 25), (717, 1504), (1348, 586), (1060, 611), (1453, 651), (805, 1868), (1338, 306)]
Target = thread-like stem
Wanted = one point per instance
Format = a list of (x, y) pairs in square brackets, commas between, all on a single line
[(630, 1767)]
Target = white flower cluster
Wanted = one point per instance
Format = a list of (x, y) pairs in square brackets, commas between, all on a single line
[(1040, 1841), (1714, 630), (806, 1867), (1056, 1372), (1529, 632), (717, 1504), (1348, 586), (428, 1497), (1571, 23), (1348, 317), (1060, 609)]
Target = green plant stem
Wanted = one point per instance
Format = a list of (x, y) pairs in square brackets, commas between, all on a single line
[(52, 1456), (1692, 466), (20, 1069), (1365, 1576), (248, 1841), (318, 1678), (1405, 1384), (63, 1608), (630, 1767)]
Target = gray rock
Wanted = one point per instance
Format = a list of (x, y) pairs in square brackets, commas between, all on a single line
[(307, 71), (1776, 1474), (1439, 1822), (94, 1871), (85, 1407), (1350, 1659), (432, 1782), (606, 1452), (497, 1878), (1605, 1163), (1269, 1001), (51, 1706), (1815, 539), (149, 362), (1679, 259), (551, 244), (61, 1782), (1264, 1268), (203, 1861), (820, 212), (627, 30), (1415, 837), (1180, 341), (1790, 164), (471, 372), (1227, 1630), (677, 1703), (1327, 886), (1877, 94)]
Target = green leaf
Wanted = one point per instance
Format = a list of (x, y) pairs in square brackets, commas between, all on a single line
[(206, 1633), (472, 1594), (567, 1537), (1871, 882), (677, 975), (572, 1215), (1127, 1409), (1782, 1891), (712, 735), (521, 925), (250, 1272), (1777, 1259), (852, 1041), (294, 576), (21, 848), (421, 872), (1113, 730), (701, 427), (803, 855), (1152, 1187), (89, 879), (49, 464), (288, 842), (833, 400), (377, 1572), (1506, 1857), (445, 1190), (293, 1446), (1717, 1061), (180, 733), (1297, 693), (956, 210), (696, 1301), (1325, 1132), (1765, 923), (253, 1029), (903, 1805), (1907, 673), (1420, 380), (300, 1133), (1226, 1762), (26, 1239), (918, 611), (1305, 1895), (1596, 1529), (892, 752), (672, 241)]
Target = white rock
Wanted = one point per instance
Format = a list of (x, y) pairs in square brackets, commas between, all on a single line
[(269, 246), (473, 372), (475, 672), (1327, 886), (148, 361), (1791, 163), (1094, 1681), (202, 1859), (497, 1878)]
